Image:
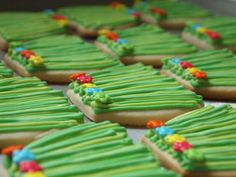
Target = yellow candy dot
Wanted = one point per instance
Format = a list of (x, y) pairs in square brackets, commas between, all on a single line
[(63, 22), (88, 85), (36, 60), (120, 6), (103, 31), (202, 30), (34, 174), (170, 139), (193, 70)]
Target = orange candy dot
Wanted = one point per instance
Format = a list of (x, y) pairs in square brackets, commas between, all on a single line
[(200, 75), (9, 150), (154, 124), (76, 75)]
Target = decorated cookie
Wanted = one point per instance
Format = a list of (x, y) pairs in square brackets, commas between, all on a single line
[(130, 95), (199, 143), (145, 43), (88, 20), (210, 73), (29, 108), (169, 13), (101, 150), (214, 33), (19, 26), (55, 58), (4, 72)]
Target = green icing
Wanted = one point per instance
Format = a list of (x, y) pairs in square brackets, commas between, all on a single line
[(136, 88), (147, 40), (21, 26), (4, 72), (97, 17), (92, 149), (181, 10), (225, 26), (219, 65), (28, 104), (211, 131), (72, 54)]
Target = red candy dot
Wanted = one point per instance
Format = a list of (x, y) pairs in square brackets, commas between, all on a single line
[(59, 17), (154, 124), (158, 11), (76, 75), (181, 146), (112, 36), (136, 14), (27, 53), (29, 166), (85, 79), (185, 64), (200, 75), (213, 35)]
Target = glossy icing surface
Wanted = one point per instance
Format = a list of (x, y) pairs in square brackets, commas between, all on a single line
[(147, 40), (72, 54), (97, 17), (181, 10), (21, 26), (5, 72), (219, 65), (92, 149), (224, 26), (28, 104), (211, 132), (133, 88)]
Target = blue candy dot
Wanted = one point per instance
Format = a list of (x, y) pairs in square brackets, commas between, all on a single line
[(122, 41), (195, 26), (91, 91), (164, 131), (22, 155), (176, 60), (130, 11), (19, 49)]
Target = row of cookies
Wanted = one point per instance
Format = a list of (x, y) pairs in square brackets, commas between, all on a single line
[(192, 144), (42, 135)]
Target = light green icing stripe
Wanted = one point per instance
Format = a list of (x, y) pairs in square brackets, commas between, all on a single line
[(4, 72), (28, 104), (100, 149), (137, 88), (148, 40), (225, 26), (97, 17), (72, 53), (219, 65), (18, 26), (181, 10), (211, 131)]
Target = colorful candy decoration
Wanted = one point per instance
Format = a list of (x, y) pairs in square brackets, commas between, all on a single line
[(96, 95), (82, 78), (118, 5), (158, 11), (196, 72), (176, 141), (60, 19), (31, 57), (205, 31), (134, 13), (25, 160)]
